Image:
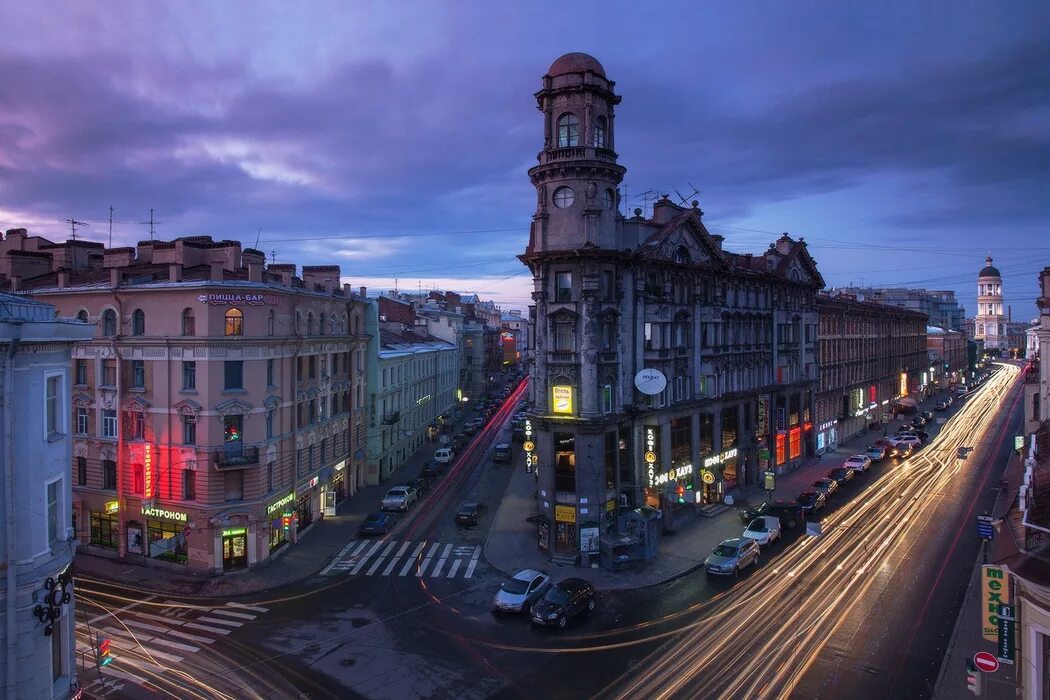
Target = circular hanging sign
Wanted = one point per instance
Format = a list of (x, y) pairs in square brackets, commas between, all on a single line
[(707, 476), (529, 446), (650, 457)]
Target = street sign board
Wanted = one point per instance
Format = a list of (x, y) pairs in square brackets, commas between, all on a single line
[(984, 527), (1018, 442), (1005, 648), (995, 589), (771, 480), (985, 662)]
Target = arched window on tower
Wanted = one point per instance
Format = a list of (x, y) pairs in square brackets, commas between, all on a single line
[(599, 132), (568, 130), (980, 329), (234, 322)]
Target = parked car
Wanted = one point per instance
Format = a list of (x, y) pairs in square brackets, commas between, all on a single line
[(826, 486), (731, 556), (841, 475), (888, 445), (520, 591), (400, 498), (811, 501), (459, 442), (469, 513), (919, 421), (789, 512), (858, 463), (472, 427), (444, 455), (876, 453), (911, 430), (564, 600), (961, 390), (940, 406), (765, 529), (378, 523), (928, 415), (431, 470), (904, 448), (502, 453)]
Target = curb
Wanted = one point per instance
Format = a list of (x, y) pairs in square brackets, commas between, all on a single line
[(955, 633)]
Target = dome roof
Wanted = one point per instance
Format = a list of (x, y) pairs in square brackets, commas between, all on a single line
[(988, 270), (576, 63)]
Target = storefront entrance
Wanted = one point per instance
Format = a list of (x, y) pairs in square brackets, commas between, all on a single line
[(339, 485), (234, 548), (304, 509)]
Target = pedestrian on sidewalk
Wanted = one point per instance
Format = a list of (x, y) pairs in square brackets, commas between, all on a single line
[(884, 432)]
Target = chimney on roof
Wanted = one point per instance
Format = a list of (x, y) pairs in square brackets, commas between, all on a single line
[(286, 271), (364, 291), (63, 278), (664, 210), (321, 277), (717, 240), (216, 272), (256, 263), (114, 277), (174, 272), (118, 257), (16, 233)]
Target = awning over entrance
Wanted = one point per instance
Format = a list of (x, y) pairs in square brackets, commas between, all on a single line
[(907, 401)]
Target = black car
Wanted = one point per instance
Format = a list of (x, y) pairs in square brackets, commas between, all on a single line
[(928, 415), (940, 406), (378, 523), (789, 512), (469, 513), (919, 421), (811, 501), (841, 475), (459, 442), (563, 600), (431, 470)]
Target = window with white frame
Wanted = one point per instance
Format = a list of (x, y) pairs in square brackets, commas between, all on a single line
[(109, 423), (53, 405), (54, 488), (82, 420)]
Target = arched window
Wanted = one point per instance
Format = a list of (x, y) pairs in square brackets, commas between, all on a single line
[(271, 322), (109, 322), (320, 326), (138, 322), (681, 255), (234, 322), (310, 323), (980, 329), (568, 130), (599, 132), (82, 315), (189, 323)]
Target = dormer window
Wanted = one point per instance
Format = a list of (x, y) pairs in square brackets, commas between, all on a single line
[(599, 132), (682, 256), (568, 131)]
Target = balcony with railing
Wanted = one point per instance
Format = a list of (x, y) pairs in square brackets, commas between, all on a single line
[(235, 455), (392, 418)]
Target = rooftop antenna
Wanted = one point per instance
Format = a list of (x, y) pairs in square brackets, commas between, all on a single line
[(151, 223), (73, 223), (110, 225), (257, 235), (273, 257), (684, 199)]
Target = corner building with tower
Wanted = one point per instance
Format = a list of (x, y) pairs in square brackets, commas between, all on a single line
[(667, 370)]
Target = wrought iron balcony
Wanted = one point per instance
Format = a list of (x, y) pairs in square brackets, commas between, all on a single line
[(234, 455)]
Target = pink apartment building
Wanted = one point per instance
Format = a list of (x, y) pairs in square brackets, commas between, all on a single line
[(218, 411)]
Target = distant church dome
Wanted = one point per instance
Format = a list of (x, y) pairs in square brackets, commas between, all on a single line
[(988, 270), (576, 63)]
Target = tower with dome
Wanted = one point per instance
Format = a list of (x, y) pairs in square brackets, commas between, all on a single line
[(990, 322)]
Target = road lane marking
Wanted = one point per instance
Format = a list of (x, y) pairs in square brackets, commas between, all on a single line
[(412, 558), (454, 568), (375, 565), (360, 564), (256, 608), (426, 562), (192, 637), (441, 561), (230, 623), (338, 558), (473, 562), (231, 613), (113, 613), (359, 549), (207, 628)]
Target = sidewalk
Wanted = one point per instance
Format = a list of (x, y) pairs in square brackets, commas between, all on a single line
[(318, 545), (512, 545)]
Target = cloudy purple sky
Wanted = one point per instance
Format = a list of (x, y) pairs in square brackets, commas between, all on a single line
[(393, 138)]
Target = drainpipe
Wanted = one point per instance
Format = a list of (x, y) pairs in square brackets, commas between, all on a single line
[(9, 519), (122, 515)]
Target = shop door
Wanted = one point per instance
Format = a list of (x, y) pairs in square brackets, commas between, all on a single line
[(234, 552), (565, 538)]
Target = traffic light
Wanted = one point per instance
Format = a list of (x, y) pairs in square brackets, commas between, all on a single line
[(104, 656), (974, 679), (286, 521), (680, 492)]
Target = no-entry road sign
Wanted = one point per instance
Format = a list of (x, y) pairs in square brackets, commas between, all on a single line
[(985, 662)]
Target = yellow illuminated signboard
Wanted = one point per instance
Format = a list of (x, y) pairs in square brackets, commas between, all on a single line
[(995, 591), (562, 396), (565, 514)]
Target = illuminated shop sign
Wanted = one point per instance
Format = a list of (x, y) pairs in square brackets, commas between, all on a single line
[(529, 446), (147, 470), (562, 396), (650, 454), (234, 531), (904, 384), (111, 507), (246, 299), (674, 474), (828, 424), (165, 514), (717, 459), (277, 505)]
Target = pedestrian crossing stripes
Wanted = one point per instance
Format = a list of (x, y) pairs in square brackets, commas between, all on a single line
[(419, 559)]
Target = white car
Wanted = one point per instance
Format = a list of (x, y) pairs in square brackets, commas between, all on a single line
[(444, 455), (399, 498), (912, 440), (765, 529), (519, 592), (858, 463)]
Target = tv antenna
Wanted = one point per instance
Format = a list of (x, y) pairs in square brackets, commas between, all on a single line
[(257, 236), (152, 224), (684, 199), (73, 223)]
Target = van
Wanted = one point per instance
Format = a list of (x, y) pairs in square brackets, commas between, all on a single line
[(503, 453), (443, 455)]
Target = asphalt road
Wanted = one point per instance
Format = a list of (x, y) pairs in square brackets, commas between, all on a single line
[(863, 611)]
